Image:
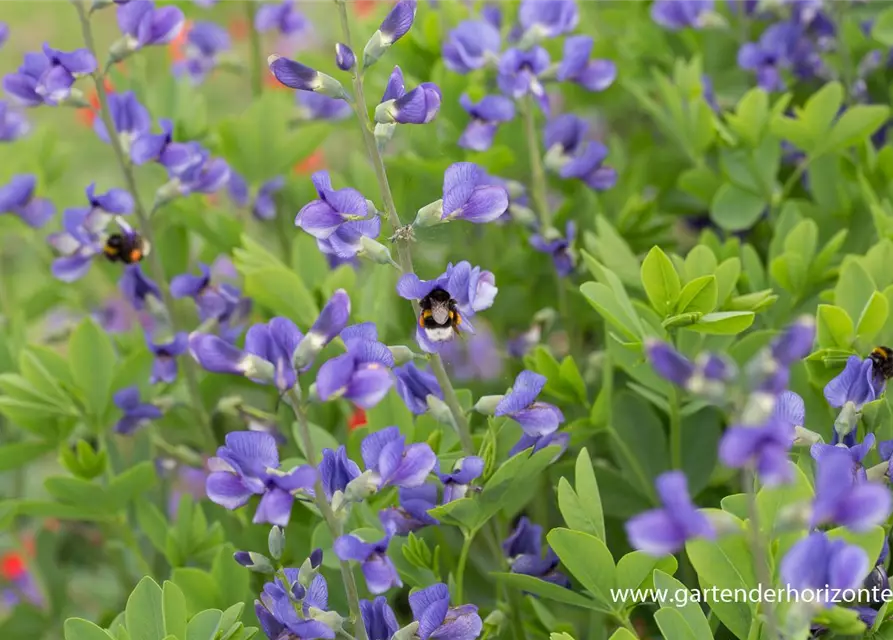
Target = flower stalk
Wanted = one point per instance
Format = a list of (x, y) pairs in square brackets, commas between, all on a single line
[(154, 261), (404, 257), (257, 61), (332, 522), (760, 555)]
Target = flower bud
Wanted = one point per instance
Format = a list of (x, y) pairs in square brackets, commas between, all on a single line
[(430, 215), (375, 252), (487, 404), (803, 437), (254, 561), (440, 411), (846, 420), (361, 487), (316, 558), (344, 57), (402, 354), (295, 75), (383, 134), (407, 633), (306, 574), (276, 542), (393, 27)]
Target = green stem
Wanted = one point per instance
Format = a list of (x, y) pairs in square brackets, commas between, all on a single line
[(675, 429), (403, 252), (257, 66), (146, 229), (627, 624), (537, 172), (332, 522), (760, 555), (460, 569)]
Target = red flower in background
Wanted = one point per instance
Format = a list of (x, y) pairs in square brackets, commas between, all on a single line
[(311, 164), (88, 114), (239, 28), (357, 419), (12, 566), (176, 49), (364, 7)]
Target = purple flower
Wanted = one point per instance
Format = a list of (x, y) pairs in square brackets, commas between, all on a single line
[(708, 375), (202, 174), (548, 18), (470, 45), (249, 465), (431, 608), (13, 124), (557, 438), (295, 75), (666, 530), (131, 119), (204, 43), (842, 497), (415, 385), (336, 470), (145, 25), (782, 46), (277, 609), (524, 549), (468, 194), (398, 22), (595, 75), (4, 33), (47, 78), (412, 512), (17, 198), (114, 315), (339, 219), (472, 290), (264, 207), (395, 464), (520, 404), (266, 358), (137, 287), (519, 73), (857, 451), (164, 367), (361, 375), (136, 413), (572, 156), (478, 357), (559, 248), (679, 14), (419, 106), (486, 117), (315, 106), (455, 483), (817, 562), (282, 17), (377, 567), (857, 383), (379, 620), (344, 57)]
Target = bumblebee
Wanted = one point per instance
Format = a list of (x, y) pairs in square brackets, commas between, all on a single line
[(882, 362), (440, 317), (128, 248)]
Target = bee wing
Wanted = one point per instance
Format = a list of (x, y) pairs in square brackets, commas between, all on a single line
[(146, 246)]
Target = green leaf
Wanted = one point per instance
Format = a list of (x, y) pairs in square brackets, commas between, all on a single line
[(588, 560), (821, 109), (547, 590), (130, 484), (856, 125), (724, 323), (635, 570), (638, 428), (834, 327), (91, 358), (854, 288), (153, 524), (204, 625), (773, 500), (80, 629), (173, 606), (727, 275), (735, 209), (319, 438), (660, 280), (698, 296), (18, 454), (882, 29), (604, 301), (691, 611), (590, 497), (77, 492), (700, 261), (873, 318), (230, 576), (144, 617), (201, 590), (673, 626), (623, 634)]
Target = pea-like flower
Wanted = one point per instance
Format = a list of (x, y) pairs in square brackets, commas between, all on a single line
[(520, 404), (524, 549), (594, 75), (277, 608), (415, 385), (130, 118), (548, 18), (143, 25), (782, 46), (396, 24), (137, 288), (856, 450), (419, 106), (824, 566), (680, 14), (394, 463), (336, 470), (17, 198), (345, 59), (411, 514), (135, 412), (858, 384), (47, 78), (572, 156), (378, 618), (486, 116), (298, 76), (559, 248), (249, 465), (844, 497), (263, 207), (362, 374), (164, 366), (13, 124), (470, 45), (667, 529), (222, 302), (457, 481), (519, 74), (205, 42), (708, 375), (282, 17), (468, 194), (377, 567), (437, 619)]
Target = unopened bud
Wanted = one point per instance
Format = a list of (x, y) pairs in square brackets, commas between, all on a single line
[(402, 354), (430, 215), (440, 411), (316, 558), (276, 542), (254, 561), (487, 404), (374, 251), (407, 633)]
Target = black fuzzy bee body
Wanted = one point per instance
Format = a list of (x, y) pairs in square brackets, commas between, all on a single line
[(440, 318), (128, 248)]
